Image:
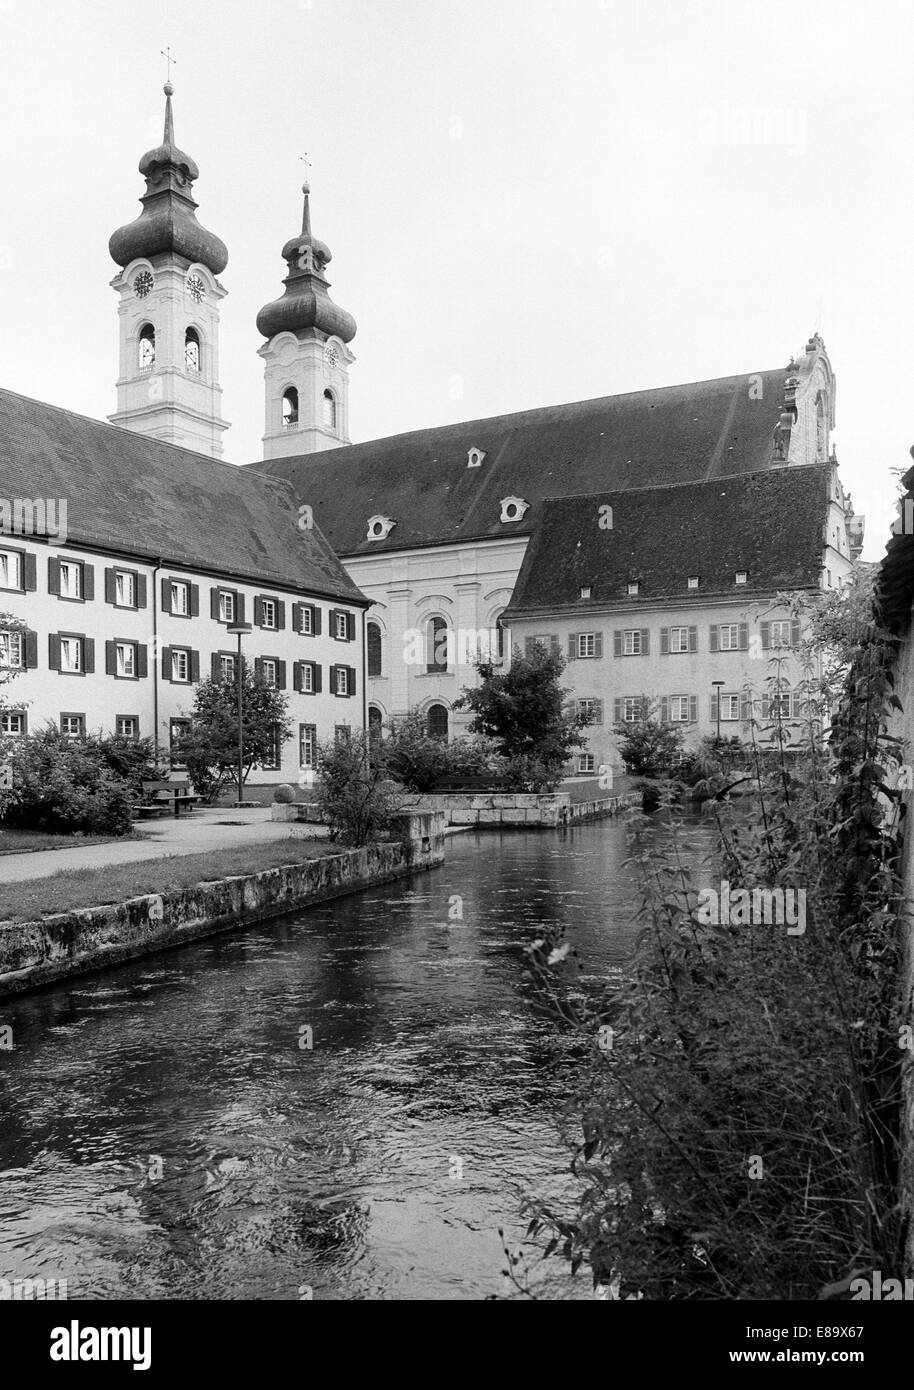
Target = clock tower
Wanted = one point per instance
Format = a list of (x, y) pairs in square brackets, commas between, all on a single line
[(168, 383), (306, 356)]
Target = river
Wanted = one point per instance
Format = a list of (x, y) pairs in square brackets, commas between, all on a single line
[(345, 1103)]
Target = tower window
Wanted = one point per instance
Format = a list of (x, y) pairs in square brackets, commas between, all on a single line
[(374, 649), (329, 410), (437, 722), (192, 350), (147, 347), (290, 409), (438, 642)]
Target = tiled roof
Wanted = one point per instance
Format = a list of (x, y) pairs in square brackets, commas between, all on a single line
[(769, 525), (421, 480), (151, 500)]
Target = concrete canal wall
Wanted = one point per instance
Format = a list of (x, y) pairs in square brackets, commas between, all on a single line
[(70, 943), (500, 810)]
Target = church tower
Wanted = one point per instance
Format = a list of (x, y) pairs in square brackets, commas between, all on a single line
[(168, 383), (307, 356)]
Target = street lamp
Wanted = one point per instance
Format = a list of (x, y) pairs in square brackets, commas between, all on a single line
[(718, 684), (239, 630)]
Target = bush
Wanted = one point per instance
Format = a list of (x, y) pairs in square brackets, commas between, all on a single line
[(354, 792), (68, 785), (411, 755)]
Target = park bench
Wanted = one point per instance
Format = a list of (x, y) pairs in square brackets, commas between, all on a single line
[(483, 782), (161, 797)]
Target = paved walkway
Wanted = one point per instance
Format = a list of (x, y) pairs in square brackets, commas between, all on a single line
[(217, 828)]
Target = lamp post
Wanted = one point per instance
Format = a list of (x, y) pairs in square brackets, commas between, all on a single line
[(718, 685), (239, 630)]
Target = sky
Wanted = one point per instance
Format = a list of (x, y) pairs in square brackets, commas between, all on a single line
[(527, 201)]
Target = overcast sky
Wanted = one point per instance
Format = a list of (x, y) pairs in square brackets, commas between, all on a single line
[(527, 201)]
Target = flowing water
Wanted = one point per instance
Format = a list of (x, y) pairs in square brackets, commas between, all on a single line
[(344, 1103)]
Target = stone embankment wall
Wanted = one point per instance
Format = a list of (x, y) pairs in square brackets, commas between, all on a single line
[(501, 810), (70, 943)]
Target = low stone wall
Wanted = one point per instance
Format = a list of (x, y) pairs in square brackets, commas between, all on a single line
[(70, 943), (502, 810)]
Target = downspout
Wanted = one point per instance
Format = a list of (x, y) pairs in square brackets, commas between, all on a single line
[(155, 658), (365, 679)]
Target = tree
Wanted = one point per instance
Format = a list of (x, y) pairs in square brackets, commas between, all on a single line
[(649, 748), (355, 792), (524, 710), (210, 748)]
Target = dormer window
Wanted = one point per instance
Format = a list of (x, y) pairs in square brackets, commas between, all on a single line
[(380, 527), (475, 458), (147, 348), (329, 410), (290, 409), (513, 508), (742, 577), (693, 581), (633, 588), (192, 350), (586, 591)]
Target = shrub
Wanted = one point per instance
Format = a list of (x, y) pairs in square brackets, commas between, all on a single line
[(354, 792), (65, 785), (411, 755)]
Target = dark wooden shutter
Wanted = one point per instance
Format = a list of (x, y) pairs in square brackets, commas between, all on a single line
[(645, 641), (598, 645), (194, 667), (30, 574), (166, 662), (797, 703), (766, 706), (693, 709), (617, 643), (316, 621), (296, 617), (350, 626), (215, 670), (280, 615), (53, 575), (664, 641), (109, 586), (258, 611), (88, 655), (528, 647), (766, 636), (599, 717), (110, 659), (572, 646), (795, 633), (296, 676), (280, 675), (331, 618), (693, 639), (712, 636), (142, 660), (53, 651), (555, 645), (714, 703), (140, 590), (239, 607), (665, 710), (88, 582), (194, 600), (745, 707), (351, 683), (617, 711), (214, 604), (166, 595), (318, 678), (744, 637), (31, 650)]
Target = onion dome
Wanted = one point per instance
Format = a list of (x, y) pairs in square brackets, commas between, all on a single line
[(168, 222), (306, 303)]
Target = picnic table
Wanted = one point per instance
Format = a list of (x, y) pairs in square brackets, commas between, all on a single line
[(160, 797)]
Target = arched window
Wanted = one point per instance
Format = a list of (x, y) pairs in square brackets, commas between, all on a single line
[(498, 655), (289, 408), (437, 722), (147, 347), (329, 409), (437, 643), (192, 350), (374, 649)]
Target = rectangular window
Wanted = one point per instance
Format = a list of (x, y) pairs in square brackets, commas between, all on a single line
[(591, 707), (307, 678), (10, 569), (124, 589), (587, 644), (632, 590), (268, 613), (71, 579), (71, 655), (269, 670), (307, 616), (679, 709), (780, 632), (586, 762), (679, 639), (180, 665), (631, 642), (180, 598), (742, 577), (307, 745), (274, 760), (342, 680), (125, 656), (127, 726), (227, 667), (631, 708), (728, 637), (693, 581), (178, 730), (11, 650), (729, 708), (226, 606), (779, 706), (342, 733), (72, 725), (342, 627), (12, 722)]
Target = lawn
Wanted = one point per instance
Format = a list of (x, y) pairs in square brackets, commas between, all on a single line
[(72, 888), (23, 841)]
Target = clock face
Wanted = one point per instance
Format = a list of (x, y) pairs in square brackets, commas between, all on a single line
[(143, 284), (196, 288)]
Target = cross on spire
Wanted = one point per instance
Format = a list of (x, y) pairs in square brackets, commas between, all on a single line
[(166, 54), (307, 163)]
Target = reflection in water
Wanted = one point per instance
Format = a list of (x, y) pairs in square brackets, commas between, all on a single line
[(167, 1132)]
